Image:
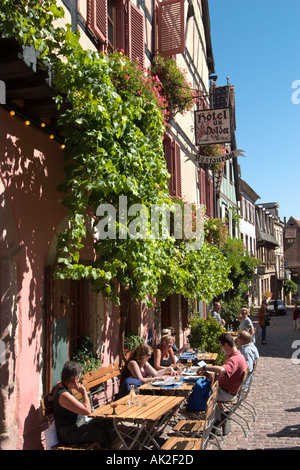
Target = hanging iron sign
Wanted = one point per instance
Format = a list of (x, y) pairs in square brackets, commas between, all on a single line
[(212, 126)]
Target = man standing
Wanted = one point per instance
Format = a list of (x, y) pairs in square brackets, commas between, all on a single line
[(215, 313), (263, 320), (246, 323)]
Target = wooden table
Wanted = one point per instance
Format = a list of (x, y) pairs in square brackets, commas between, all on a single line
[(184, 390), (203, 356), (151, 416), (207, 356)]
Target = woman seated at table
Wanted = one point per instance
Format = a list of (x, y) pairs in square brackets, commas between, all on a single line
[(164, 354), (69, 412), (138, 367)]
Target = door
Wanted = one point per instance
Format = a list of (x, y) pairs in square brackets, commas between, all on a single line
[(64, 323)]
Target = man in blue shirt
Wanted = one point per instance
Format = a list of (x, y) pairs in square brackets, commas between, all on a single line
[(247, 348)]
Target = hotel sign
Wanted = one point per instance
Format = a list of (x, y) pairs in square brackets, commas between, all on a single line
[(212, 126)]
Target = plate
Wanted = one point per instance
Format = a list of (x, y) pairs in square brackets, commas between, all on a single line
[(192, 378), (160, 383)]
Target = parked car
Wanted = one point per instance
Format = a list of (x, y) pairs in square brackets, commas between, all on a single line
[(281, 308)]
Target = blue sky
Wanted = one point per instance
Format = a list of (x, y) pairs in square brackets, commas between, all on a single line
[(257, 44)]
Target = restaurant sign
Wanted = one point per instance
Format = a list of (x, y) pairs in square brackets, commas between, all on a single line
[(218, 159), (212, 126)]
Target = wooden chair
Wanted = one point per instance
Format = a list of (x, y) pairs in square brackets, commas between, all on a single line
[(181, 443), (95, 382), (102, 384), (202, 427)]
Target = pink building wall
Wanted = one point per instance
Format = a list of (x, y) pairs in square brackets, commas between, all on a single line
[(30, 169)]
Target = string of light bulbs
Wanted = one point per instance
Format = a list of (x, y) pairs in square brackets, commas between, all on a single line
[(29, 121)]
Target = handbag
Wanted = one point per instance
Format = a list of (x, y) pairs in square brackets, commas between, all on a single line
[(267, 321), (199, 396)]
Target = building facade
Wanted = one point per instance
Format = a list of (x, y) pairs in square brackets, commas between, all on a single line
[(43, 320), (247, 228), (292, 250), (266, 243)]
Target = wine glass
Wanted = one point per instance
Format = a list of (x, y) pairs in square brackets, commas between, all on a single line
[(114, 406)]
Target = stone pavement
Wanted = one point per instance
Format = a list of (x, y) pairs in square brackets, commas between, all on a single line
[(275, 392)]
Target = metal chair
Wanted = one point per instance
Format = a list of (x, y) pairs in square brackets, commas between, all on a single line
[(244, 403), (229, 409)]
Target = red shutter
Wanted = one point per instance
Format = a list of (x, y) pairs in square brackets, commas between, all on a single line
[(178, 190), (211, 198), (202, 187), (170, 166), (136, 40), (171, 27), (89, 13), (99, 18), (172, 156)]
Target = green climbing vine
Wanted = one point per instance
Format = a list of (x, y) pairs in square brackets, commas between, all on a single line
[(112, 119)]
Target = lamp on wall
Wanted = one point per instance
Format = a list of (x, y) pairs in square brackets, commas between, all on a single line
[(30, 121)]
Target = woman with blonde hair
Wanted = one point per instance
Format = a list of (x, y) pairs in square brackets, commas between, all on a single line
[(164, 354)]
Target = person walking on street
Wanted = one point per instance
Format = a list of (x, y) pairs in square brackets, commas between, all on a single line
[(296, 316), (263, 321)]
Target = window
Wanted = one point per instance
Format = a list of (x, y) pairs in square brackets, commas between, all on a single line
[(118, 26)]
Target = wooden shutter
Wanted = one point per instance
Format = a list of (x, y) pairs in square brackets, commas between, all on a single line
[(178, 190), (98, 18), (135, 35), (202, 187), (172, 156), (170, 165), (211, 198), (171, 27)]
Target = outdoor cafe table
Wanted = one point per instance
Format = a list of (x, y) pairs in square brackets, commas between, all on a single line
[(180, 389), (207, 356), (151, 415), (200, 356)]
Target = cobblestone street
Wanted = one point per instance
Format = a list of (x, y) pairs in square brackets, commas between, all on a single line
[(275, 392)]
